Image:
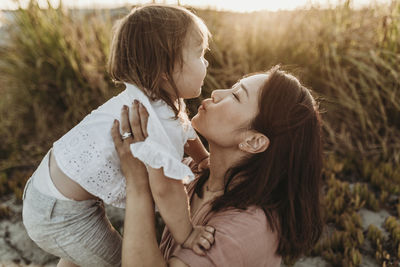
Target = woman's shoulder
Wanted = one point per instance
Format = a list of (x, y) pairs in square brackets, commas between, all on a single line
[(253, 213)]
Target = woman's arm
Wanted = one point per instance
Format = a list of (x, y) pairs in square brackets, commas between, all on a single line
[(139, 240), (139, 246)]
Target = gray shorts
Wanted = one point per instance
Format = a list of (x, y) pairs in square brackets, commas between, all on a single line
[(78, 231)]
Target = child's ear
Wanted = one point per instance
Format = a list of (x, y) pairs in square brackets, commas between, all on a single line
[(254, 143)]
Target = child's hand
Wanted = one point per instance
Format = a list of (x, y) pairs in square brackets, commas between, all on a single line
[(204, 164), (191, 164), (201, 238)]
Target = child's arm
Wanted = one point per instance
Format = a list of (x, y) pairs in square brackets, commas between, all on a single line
[(196, 150), (172, 202)]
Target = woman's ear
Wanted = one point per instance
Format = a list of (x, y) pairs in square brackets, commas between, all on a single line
[(255, 143)]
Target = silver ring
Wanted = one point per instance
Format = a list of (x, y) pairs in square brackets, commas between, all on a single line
[(126, 135)]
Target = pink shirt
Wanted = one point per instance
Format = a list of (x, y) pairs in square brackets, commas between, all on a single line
[(242, 238)]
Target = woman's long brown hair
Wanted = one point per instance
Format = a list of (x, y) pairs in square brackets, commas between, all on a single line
[(285, 179)]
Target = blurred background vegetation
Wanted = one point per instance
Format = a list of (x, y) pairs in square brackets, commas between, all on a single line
[(53, 73)]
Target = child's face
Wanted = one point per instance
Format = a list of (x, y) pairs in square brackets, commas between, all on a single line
[(189, 79)]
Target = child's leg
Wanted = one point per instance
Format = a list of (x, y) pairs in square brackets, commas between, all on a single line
[(65, 263), (76, 231)]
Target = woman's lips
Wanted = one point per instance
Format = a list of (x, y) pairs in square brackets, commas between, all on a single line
[(204, 104)]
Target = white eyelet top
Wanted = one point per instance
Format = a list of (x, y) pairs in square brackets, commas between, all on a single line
[(87, 154)]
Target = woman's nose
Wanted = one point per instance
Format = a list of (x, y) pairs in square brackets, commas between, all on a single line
[(217, 95), (213, 95)]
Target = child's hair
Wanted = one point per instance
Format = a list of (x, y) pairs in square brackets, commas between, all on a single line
[(148, 42)]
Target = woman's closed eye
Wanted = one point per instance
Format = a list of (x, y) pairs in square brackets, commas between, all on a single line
[(235, 89), (236, 96)]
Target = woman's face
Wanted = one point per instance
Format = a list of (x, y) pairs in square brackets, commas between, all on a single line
[(224, 118)]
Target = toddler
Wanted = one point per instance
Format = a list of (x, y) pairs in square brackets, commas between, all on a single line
[(158, 53)]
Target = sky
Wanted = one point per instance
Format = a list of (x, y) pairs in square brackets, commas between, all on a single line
[(231, 5)]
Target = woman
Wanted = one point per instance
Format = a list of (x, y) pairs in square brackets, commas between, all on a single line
[(261, 193)]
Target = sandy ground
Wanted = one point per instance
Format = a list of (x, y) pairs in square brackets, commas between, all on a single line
[(16, 249)]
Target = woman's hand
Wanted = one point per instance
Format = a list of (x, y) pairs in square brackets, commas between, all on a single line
[(134, 130)]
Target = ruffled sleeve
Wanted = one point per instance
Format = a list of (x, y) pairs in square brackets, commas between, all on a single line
[(166, 138), (156, 155), (189, 132)]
